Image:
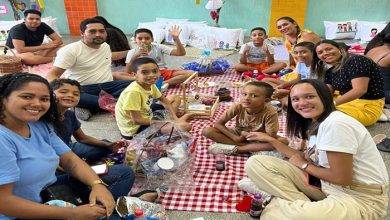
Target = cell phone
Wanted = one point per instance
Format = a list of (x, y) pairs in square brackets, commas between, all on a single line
[(100, 169)]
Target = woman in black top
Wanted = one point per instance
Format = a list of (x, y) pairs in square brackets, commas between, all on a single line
[(355, 81)]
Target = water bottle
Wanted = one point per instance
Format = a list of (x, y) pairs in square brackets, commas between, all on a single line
[(159, 82), (255, 73), (256, 206), (220, 162)]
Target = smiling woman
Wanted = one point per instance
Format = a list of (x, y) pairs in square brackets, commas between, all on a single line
[(30, 152), (340, 175), (354, 80)]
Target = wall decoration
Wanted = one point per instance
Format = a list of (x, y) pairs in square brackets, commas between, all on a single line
[(3, 9)]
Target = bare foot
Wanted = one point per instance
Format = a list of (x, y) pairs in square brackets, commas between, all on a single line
[(149, 197)]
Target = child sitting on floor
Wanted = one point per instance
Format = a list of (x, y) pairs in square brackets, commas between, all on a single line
[(253, 113), (144, 38), (67, 93), (303, 55), (134, 108), (255, 55)]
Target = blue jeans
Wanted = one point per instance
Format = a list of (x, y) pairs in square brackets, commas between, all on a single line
[(89, 152), (120, 178), (89, 97)]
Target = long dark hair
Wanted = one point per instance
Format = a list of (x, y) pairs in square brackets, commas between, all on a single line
[(292, 21), (12, 82), (318, 66), (299, 126), (379, 39), (116, 39)]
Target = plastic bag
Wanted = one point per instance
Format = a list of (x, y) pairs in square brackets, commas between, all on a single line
[(128, 206), (164, 158), (206, 65), (107, 102)]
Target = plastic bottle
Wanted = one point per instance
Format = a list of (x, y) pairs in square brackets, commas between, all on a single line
[(255, 73), (220, 162), (256, 206)]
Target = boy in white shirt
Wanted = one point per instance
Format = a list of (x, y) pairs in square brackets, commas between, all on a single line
[(144, 39)]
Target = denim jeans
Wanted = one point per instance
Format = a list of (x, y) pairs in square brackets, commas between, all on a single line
[(120, 179), (90, 93), (89, 152)]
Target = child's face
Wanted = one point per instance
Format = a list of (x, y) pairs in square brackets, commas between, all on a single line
[(143, 38), (253, 97), (258, 36), (147, 74), (67, 96), (303, 54)]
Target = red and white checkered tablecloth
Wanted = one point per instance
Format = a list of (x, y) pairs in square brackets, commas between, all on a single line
[(211, 188)]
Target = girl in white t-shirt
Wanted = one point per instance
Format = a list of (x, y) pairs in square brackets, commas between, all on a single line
[(340, 176)]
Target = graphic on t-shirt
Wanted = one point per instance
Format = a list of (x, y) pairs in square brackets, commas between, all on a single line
[(148, 103), (312, 154)]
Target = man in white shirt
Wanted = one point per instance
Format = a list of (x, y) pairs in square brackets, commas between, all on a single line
[(88, 61)]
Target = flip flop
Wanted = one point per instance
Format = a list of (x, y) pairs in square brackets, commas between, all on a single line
[(382, 142), (143, 192)]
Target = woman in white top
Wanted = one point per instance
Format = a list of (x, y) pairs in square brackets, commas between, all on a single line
[(340, 176)]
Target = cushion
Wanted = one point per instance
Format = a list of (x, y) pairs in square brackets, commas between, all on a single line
[(227, 38), (165, 21), (366, 30), (157, 29), (335, 30), (202, 37)]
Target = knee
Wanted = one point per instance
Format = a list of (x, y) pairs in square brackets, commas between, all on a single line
[(256, 164), (208, 131), (126, 172)]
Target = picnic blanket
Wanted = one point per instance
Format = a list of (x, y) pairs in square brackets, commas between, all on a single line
[(211, 190)]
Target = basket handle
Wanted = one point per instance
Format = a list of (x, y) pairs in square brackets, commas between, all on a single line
[(10, 50)]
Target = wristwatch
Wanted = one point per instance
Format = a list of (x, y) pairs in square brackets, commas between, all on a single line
[(304, 166), (99, 181)]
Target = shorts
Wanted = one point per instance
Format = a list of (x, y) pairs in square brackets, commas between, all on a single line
[(259, 66), (167, 73)]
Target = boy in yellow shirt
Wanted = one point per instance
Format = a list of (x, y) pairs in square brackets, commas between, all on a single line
[(135, 105)]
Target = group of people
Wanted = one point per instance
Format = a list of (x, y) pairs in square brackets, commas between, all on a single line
[(340, 174)]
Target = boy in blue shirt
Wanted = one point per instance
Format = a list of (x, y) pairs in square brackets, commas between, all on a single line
[(67, 94)]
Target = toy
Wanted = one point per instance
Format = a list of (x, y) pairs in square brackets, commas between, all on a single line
[(203, 105)]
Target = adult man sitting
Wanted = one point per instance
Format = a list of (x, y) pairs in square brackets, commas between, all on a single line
[(26, 39), (88, 61)]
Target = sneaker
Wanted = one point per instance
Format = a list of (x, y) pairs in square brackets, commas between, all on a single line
[(248, 186), (218, 148), (82, 113)]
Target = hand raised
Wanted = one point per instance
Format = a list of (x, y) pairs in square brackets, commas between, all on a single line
[(175, 31)]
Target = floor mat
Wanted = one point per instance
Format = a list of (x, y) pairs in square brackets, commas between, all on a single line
[(212, 190)]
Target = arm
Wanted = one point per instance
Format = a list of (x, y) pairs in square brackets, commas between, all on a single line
[(166, 103), (279, 146), (20, 46), (54, 73), (138, 119), (179, 50), (132, 55), (15, 206), (359, 88), (80, 170), (309, 37), (220, 125), (56, 39), (80, 136), (340, 169), (244, 54), (119, 55)]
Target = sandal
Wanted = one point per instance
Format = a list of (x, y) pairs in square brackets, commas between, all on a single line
[(382, 142), (144, 192)]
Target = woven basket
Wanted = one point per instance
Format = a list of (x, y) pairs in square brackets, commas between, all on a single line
[(10, 64)]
